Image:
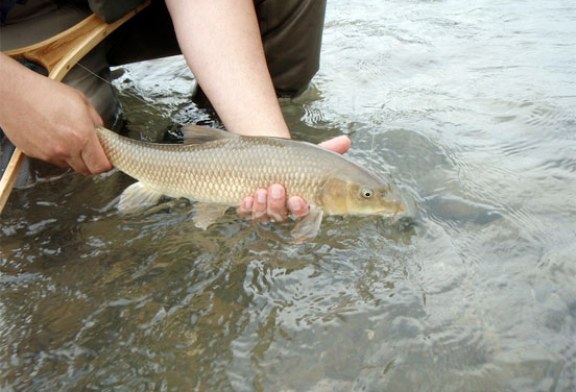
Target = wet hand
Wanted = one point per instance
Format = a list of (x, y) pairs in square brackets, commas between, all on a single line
[(272, 203), (50, 121)]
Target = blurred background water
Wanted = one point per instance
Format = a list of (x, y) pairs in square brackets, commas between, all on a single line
[(471, 108)]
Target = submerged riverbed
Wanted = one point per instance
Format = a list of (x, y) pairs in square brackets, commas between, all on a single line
[(469, 106)]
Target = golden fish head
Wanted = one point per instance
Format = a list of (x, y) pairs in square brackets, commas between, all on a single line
[(363, 194)]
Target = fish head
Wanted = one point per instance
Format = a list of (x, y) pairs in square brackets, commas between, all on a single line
[(360, 194)]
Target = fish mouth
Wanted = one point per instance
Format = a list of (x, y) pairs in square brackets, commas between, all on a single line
[(398, 209)]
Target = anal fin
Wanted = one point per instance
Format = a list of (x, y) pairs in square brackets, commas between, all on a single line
[(137, 197)]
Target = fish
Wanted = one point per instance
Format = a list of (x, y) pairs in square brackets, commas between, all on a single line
[(218, 169)]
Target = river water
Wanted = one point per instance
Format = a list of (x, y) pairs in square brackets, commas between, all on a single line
[(471, 108)]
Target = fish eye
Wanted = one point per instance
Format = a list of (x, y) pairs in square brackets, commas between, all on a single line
[(367, 193)]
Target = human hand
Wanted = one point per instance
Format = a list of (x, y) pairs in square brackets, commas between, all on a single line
[(49, 120), (272, 204)]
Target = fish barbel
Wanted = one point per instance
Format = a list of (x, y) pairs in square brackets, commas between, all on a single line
[(220, 169)]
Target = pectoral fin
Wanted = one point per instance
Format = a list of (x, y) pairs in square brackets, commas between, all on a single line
[(308, 227), (207, 214), (137, 197)]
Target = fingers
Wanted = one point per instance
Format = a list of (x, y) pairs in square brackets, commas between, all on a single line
[(89, 159), (78, 165), (339, 144), (254, 207), (94, 157), (82, 150), (93, 154), (276, 208), (298, 207), (245, 209), (272, 204), (259, 207)]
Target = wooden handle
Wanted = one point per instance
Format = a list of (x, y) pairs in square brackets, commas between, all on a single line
[(10, 175), (58, 55)]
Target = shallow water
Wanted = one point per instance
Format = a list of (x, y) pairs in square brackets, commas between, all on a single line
[(470, 107)]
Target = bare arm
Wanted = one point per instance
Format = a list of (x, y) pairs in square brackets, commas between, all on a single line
[(221, 42), (49, 120)]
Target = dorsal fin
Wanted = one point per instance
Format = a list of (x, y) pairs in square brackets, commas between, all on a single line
[(195, 134)]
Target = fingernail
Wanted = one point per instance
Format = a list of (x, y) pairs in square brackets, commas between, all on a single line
[(248, 203), (276, 192), (261, 196), (294, 205)]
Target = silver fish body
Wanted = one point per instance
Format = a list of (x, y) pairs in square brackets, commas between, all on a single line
[(219, 167)]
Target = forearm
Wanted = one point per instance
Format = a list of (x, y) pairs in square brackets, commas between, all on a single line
[(14, 80), (221, 42)]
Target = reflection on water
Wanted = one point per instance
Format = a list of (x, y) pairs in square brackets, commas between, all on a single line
[(469, 106)]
